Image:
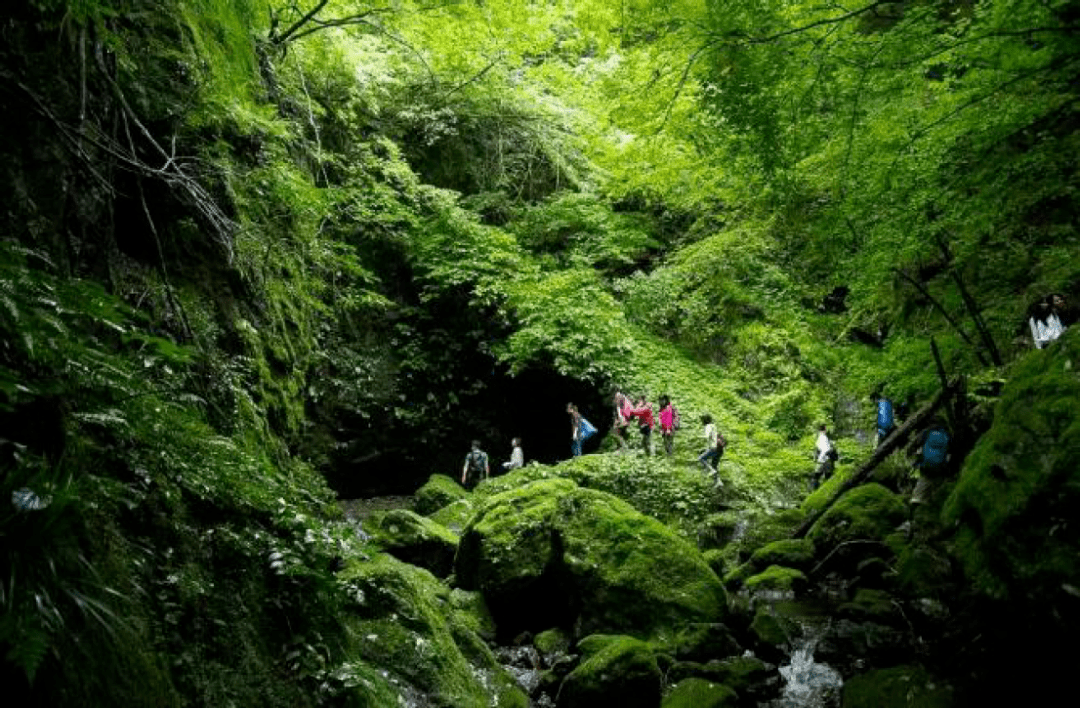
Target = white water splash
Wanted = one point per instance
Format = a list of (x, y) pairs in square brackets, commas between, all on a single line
[(808, 684)]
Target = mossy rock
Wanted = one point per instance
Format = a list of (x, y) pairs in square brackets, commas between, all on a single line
[(737, 672), (471, 611), (553, 554), (718, 529), (1016, 499), (700, 642), (766, 527), (871, 605), (414, 539), (777, 578), (552, 641), (616, 670), (795, 553), (868, 512), (438, 492), (715, 559), (402, 621), (773, 630), (699, 693), (898, 687), (455, 516)]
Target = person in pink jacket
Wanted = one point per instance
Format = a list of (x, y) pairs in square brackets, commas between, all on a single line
[(668, 418), (643, 412)]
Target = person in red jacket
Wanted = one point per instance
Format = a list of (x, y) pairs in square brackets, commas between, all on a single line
[(668, 419), (643, 412)]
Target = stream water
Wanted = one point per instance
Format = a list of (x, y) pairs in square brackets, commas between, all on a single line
[(808, 684)]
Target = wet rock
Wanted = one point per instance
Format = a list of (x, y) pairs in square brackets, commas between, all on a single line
[(700, 693), (615, 670), (873, 606), (850, 646), (701, 642), (552, 641), (414, 539), (552, 554), (439, 491), (790, 552), (897, 687)]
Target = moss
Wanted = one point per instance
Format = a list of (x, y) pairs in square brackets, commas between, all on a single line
[(403, 625), (414, 539), (867, 512), (770, 629), (870, 605), (438, 492), (715, 558), (717, 530), (551, 553), (454, 516), (765, 527), (699, 642), (1019, 488), (898, 687), (617, 670), (552, 641), (699, 693), (777, 577), (471, 611), (790, 552)]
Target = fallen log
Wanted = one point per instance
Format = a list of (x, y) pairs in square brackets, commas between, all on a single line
[(895, 440)]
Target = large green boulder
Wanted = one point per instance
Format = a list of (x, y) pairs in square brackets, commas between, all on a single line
[(699, 693), (616, 671), (401, 618), (455, 516), (898, 687), (1018, 493), (551, 554), (797, 553), (414, 539), (868, 512), (439, 491)]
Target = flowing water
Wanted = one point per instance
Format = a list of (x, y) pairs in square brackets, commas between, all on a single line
[(808, 684)]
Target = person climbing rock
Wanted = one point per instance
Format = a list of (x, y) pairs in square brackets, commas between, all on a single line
[(886, 423), (714, 449), (644, 414), (825, 457), (1044, 318), (476, 466), (669, 418), (517, 456), (932, 461)]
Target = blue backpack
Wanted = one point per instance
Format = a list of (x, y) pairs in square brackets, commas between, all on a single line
[(884, 415), (586, 430), (935, 450)]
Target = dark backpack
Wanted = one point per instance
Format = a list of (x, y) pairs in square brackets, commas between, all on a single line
[(832, 454), (477, 460), (884, 415), (935, 450)]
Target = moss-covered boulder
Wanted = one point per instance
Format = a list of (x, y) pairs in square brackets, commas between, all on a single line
[(778, 579), (700, 642), (553, 554), (455, 516), (439, 491), (1018, 493), (871, 605), (715, 559), (700, 693), (615, 670), (401, 619), (551, 642), (898, 687), (796, 553), (414, 539), (868, 512)]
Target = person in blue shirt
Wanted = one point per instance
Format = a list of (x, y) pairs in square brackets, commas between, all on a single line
[(886, 422)]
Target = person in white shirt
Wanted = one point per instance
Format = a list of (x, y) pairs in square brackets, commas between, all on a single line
[(824, 458), (1045, 320), (517, 456), (714, 449)]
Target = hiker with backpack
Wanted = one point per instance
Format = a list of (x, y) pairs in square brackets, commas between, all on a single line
[(932, 462), (644, 414), (476, 466), (714, 449), (669, 423), (581, 429), (886, 423), (825, 456)]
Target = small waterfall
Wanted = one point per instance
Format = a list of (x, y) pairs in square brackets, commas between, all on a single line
[(808, 684)]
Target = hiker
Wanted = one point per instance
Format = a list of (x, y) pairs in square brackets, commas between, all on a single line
[(714, 449), (669, 423), (825, 458), (1044, 318), (517, 457), (575, 430), (622, 419), (643, 412), (476, 466), (932, 446), (885, 421)]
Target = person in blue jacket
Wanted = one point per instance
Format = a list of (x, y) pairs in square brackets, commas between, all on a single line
[(886, 421)]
